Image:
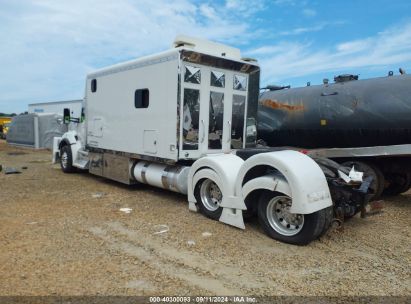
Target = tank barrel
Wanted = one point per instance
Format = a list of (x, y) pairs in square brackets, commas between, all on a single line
[(347, 113)]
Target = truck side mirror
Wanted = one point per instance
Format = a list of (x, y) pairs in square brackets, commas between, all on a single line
[(66, 115)]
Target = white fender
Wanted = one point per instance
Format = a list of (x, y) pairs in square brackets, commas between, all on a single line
[(70, 136), (203, 173), (223, 170), (226, 166), (272, 182), (307, 183), (76, 146), (56, 150)]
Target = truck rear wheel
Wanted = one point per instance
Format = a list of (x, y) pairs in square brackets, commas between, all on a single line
[(398, 183), (66, 159), (369, 169), (280, 224), (209, 198)]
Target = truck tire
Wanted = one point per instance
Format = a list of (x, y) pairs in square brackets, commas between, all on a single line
[(398, 183), (369, 169), (66, 159), (296, 229), (209, 197), (328, 215)]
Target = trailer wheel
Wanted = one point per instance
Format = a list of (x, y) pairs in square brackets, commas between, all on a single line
[(209, 197), (280, 224), (369, 169), (399, 183), (66, 159)]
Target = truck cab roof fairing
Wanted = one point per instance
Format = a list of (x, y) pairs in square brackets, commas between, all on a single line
[(206, 46), (219, 62)]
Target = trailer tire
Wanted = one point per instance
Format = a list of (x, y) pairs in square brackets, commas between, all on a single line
[(399, 183), (66, 159), (296, 229), (209, 197), (368, 168)]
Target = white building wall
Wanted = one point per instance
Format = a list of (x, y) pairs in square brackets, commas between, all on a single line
[(57, 107)]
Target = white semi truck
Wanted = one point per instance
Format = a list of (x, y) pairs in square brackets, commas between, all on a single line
[(185, 120)]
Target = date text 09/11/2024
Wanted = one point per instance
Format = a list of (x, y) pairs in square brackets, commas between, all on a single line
[(203, 299)]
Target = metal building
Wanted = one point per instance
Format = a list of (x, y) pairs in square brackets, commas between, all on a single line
[(57, 107), (35, 130)]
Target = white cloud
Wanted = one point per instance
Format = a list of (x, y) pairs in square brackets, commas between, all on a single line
[(309, 12), (244, 7), (302, 30), (208, 12), (284, 47), (48, 46), (309, 29), (285, 2), (355, 45), (287, 60)]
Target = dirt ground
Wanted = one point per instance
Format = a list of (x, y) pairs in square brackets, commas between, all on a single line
[(63, 234)]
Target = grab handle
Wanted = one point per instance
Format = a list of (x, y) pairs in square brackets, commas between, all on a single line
[(203, 137)]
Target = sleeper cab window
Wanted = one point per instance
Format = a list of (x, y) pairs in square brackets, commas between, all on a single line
[(141, 98), (93, 85), (192, 74), (240, 83), (217, 79)]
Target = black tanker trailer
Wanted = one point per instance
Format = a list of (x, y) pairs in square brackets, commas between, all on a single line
[(361, 123)]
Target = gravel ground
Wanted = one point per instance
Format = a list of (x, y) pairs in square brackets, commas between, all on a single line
[(63, 234)]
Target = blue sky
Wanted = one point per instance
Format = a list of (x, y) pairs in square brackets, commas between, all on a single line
[(48, 46)]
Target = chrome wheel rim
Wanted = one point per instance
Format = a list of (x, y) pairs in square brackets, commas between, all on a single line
[(210, 195), (64, 159), (281, 219)]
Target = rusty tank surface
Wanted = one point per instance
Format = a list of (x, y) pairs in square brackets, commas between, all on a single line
[(347, 113)]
